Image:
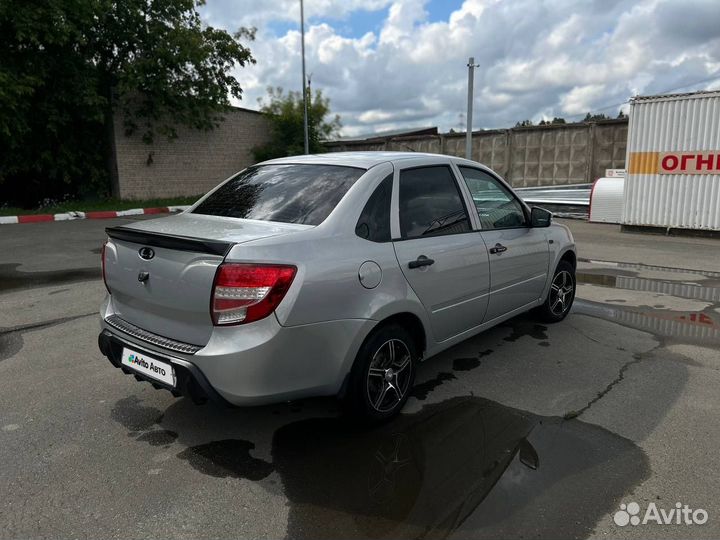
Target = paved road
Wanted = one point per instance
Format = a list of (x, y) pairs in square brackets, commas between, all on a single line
[(525, 430)]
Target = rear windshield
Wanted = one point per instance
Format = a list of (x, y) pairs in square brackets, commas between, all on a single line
[(287, 193)]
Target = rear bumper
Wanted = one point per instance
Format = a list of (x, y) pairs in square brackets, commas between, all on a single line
[(260, 363), (190, 380)]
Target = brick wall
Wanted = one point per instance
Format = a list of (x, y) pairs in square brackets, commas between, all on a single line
[(191, 164)]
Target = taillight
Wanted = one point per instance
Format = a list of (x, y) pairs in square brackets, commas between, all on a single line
[(243, 293), (102, 259)]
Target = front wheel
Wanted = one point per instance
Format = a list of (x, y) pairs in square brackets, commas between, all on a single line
[(383, 375), (561, 295)]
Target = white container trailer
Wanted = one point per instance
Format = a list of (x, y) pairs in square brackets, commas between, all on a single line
[(673, 162)]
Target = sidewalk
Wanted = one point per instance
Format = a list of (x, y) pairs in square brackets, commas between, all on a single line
[(599, 241), (97, 214)]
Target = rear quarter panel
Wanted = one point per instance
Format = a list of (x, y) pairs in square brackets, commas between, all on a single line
[(327, 286)]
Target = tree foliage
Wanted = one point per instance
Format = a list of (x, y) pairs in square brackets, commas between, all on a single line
[(285, 112), (556, 120), (524, 123), (589, 117), (67, 65)]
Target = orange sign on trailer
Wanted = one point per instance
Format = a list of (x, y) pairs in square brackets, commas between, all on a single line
[(690, 162), (701, 162)]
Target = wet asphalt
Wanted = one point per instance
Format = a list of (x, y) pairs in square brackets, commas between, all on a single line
[(528, 430)]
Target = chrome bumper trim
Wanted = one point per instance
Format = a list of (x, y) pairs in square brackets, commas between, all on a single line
[(148, 337)]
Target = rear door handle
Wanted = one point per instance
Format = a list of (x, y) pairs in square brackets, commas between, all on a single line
[(498, 248), (422, 260)]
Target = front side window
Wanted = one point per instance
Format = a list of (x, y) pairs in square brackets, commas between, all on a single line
[(495, 205), (374, 222), (289, 193), (430, 203)]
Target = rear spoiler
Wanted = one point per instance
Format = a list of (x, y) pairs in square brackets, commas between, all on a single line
[(179, 243)]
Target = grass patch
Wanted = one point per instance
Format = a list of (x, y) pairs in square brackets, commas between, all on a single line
[(105, 204)]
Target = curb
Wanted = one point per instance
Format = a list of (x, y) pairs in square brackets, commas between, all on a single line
[(99, 214)]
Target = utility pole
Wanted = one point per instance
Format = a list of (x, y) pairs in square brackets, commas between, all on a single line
[(468, 134), (304, 91)]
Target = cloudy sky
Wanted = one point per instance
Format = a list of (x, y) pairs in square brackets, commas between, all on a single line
[(388, 64)]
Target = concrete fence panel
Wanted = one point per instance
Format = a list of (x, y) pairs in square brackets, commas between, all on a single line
[(552, 155)]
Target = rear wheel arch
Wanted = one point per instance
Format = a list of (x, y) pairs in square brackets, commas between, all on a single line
[(379, 382), (411, 323)]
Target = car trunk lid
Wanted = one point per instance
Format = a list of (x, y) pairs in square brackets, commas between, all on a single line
[(160, 273)]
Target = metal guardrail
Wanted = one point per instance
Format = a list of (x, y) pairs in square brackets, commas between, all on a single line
[(571, 195), (571, 201)]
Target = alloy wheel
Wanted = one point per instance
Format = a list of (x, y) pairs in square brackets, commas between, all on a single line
[(389, 375), (562, 291)]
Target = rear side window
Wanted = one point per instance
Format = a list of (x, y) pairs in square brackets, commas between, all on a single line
[(430, 203), (374, 222), (287, 193)]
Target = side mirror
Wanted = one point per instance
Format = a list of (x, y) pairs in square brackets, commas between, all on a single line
[(539, 217)]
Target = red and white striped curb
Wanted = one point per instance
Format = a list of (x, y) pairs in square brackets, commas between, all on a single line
[(99, 214)]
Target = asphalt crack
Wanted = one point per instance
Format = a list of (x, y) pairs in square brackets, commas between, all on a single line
[(44, 324), (637, 358), (585, 335), (11, 339)]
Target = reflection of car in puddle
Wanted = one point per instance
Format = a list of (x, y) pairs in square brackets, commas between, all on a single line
[(467, 466)]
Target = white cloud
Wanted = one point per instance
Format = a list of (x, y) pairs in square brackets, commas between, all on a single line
[(581, 98), (537, 59)]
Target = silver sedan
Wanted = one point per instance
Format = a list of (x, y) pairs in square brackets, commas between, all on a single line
[(328, 275)]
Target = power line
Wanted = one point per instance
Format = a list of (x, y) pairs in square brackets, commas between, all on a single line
[(714, 77)]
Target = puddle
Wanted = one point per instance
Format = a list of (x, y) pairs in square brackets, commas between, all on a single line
[(134, 416), (422, 390), (463, 468), (159, 437), (465, 364), (702, 328), (648, 267), (11, 278), (466, 468), (689, 290), (525, 325), (668, 320), (228, 458)]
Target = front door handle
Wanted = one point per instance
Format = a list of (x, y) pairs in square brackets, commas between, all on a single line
[(422, 260), (498, 248)]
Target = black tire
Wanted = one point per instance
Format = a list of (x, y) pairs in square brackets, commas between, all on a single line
[(560, 296), (364, 398)]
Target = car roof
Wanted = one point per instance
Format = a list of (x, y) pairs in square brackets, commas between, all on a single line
[(356, 159)]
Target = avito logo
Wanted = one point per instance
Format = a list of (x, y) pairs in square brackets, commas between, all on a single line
[(139, 360), (629, 514)]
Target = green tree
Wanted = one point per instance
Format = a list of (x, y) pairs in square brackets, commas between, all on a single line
[(589, 117), (67, 65), (524, 123), (287, 136)]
